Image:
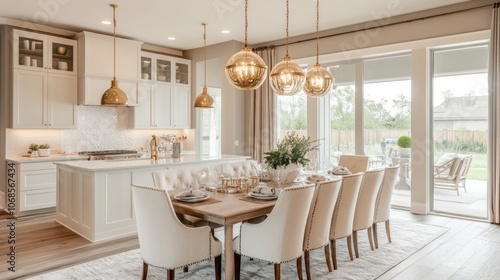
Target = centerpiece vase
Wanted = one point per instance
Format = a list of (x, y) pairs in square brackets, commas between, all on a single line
[(285, 174)]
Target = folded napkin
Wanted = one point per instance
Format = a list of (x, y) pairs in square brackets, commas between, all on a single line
[(265, 190), (340, 170), (316, 178), (191, 194)]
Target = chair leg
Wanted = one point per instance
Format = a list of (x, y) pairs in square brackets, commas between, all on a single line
[(144, 271), (299, 267), (237, 266), (327, 257), (170, 274), (186, 269), (333, 244), (308, 265), (349, 247), (355, 239), (370, 238), (375, 235), (277, 271), (388, 230), (218, 267)]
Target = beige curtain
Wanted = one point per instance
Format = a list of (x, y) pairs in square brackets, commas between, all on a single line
[(494, 116), (262, 117)]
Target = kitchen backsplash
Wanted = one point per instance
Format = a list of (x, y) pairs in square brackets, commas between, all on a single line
[(99, 128)]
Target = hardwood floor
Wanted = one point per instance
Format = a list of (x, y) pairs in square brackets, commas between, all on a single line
[(468, 250)]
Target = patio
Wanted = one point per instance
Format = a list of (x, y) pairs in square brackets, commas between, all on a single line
[(471, 203)]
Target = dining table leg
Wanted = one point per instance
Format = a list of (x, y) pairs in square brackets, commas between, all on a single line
[(228, 252)]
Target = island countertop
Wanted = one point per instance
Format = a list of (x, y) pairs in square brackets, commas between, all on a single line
[(102, 165)]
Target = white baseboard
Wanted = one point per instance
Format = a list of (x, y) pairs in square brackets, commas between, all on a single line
[(419, 208)]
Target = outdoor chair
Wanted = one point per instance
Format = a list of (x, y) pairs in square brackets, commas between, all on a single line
[(455, 175), (354, 163)]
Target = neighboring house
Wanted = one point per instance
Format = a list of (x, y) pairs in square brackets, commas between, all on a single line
[(462, 113)]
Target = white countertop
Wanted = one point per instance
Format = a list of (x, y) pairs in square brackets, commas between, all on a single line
[(60, 157), (100, 165)]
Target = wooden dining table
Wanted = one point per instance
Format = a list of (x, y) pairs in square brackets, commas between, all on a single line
[(226, 210)]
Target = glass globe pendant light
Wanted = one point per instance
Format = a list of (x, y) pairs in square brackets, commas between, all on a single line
[(245, 69), (287, 77), (114, 96), (204, 100), (319, 81)]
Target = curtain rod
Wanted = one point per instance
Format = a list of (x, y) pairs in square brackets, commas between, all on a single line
[(495, 5)]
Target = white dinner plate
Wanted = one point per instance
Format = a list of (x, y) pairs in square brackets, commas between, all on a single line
[(191, 198), (263, 196)]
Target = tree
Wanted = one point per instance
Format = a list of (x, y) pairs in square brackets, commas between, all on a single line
[(342, 108)]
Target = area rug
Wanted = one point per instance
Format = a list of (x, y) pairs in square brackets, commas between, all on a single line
[(407, 238)]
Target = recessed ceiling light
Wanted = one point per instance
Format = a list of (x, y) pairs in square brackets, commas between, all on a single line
[(106, 22), (171, 38), (225, 31)]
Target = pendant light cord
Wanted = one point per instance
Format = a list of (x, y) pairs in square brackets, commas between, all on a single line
[(114, 41), (246, 22), (317, 31), (287, 13), (205, 51)]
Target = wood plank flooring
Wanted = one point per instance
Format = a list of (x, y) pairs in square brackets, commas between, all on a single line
[(468, 250)]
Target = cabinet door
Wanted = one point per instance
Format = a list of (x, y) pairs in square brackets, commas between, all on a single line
[(180, 107), (61, 105), (147, 67), (29, 50), (182, 71), (163, 69), (29, 99), (62, 55), (143, 113), (163, 105)]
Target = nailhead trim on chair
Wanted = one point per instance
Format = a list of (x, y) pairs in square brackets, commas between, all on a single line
[(320, 187), (209, 237)]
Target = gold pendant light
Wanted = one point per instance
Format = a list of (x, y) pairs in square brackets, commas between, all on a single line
[(114, 96), (319, 81), (287, 77), (245, 69), (204, 100)]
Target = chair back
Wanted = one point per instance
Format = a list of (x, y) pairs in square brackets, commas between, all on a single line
[(383, 201), (355, 163), (365, 206), (162, 237), (240, 169), (171, 179), (343, 214), (320, 214), (281, 234), (464, 167)]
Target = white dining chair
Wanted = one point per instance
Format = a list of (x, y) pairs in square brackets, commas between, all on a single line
[(280, 237), (383, 202), (354, 163), (343, 214), (164, 241), (319, 220), (240, 169), (365, 206)]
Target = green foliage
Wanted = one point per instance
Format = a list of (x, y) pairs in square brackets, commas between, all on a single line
[(44, 146), (292, 149), (404, 141), (293, 112), (34, 147)]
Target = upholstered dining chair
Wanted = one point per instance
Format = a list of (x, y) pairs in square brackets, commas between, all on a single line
[(164, 241), (319, 220), (383, 202), (278, 238), (343, 214), (365, 206), (240, 169), (354, 163)]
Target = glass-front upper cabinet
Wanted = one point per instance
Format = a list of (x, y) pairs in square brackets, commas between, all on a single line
[(163, 70), (157, 67), (182, 71), (146, 68), (41, 52)]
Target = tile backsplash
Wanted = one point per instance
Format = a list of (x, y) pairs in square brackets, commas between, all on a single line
[(99, 128)]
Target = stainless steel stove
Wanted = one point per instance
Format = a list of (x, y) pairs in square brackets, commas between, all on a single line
[(111, 154)]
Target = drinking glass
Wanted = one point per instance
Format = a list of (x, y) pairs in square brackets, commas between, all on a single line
[(313, 164)]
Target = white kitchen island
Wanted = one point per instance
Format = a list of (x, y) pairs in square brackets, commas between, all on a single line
[(94, 198)]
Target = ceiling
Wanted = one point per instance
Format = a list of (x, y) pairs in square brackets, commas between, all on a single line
[(153, 21)]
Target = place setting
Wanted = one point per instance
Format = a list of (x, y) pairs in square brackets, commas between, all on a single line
[(203, 195)]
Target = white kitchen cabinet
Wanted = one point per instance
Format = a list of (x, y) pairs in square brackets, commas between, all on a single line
[(164, 95), (43, 100), (96, 66), (44, 84), (35, 185)]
